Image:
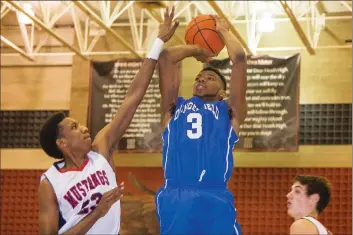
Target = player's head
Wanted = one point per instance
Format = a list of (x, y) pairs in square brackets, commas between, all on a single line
[(308, 194), (61, 135), (210, 84)]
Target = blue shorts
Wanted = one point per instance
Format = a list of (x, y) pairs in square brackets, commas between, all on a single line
[(196, 209)]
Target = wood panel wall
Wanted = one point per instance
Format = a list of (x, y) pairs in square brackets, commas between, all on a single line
[(35, 88)]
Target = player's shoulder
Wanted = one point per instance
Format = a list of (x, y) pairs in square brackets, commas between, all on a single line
[(45, 186), (227, 102), (177, 103), (181, 99), (98, 159), (44, 182), (303, 226), (52, 171), (94, 154)]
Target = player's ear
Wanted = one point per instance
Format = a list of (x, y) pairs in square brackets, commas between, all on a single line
[(314, 198), (61, 142), (223, 94)]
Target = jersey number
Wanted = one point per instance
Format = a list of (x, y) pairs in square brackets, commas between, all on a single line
[(85, 209), (196, 126)]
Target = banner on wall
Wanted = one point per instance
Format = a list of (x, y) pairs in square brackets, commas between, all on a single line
[(109, 84), (272, 122)]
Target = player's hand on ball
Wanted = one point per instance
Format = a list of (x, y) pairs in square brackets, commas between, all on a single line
[(166, 29), (205, 56), (221, 24), (108, 199)]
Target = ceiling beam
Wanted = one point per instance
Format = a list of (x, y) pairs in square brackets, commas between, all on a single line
[(297, 27), (47, 29), (118, 12), (4, 10), (339, 14), (344, 3), (219, 12), (16, 48), (152, 4), (321, 8), (95, 18)]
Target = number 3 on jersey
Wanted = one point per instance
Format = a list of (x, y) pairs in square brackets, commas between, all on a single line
[(196, 126)]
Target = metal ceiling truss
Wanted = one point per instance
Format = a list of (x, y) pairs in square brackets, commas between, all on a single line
[(104, 23), (253, 35), (16, 48), (45, 25), (221, 13), (297, 27), (101, 19), (4, 10), (344, 3)]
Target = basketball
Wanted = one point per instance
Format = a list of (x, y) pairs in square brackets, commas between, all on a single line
[(201, 31)]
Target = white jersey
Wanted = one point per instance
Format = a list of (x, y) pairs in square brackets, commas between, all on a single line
[(78, 192), (320, 228)]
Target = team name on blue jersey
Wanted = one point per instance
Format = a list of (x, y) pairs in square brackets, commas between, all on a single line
[(191, 106)]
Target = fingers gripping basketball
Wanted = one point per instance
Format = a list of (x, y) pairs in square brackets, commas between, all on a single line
[(202, 31)]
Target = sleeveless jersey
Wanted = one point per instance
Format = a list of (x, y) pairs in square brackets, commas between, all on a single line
[(198, 143), (320, 228), (78, 192)]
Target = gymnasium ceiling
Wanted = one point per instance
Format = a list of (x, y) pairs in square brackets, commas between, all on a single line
[(91, 20)]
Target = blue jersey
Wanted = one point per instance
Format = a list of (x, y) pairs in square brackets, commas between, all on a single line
[(198, 142)]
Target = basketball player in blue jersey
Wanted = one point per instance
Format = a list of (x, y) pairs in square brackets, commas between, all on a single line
[(79, 193), (198, 139), (308, 197)]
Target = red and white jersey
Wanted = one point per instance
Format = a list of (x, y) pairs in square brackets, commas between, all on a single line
[(78, 192)]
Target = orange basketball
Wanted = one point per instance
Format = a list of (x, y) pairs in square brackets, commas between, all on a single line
[(202, 31)]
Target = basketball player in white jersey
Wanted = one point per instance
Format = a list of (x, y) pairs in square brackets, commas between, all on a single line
[(79, 193), (308, 197)]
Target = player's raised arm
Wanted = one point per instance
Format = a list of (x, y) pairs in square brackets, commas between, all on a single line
[(169, 74), (110, 134), (238, 81)]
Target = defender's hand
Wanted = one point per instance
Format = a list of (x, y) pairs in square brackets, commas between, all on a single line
[(108, 199), (166, 30)]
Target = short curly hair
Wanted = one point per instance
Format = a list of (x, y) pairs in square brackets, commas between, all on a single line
[(223, 79), (319, 185), (49, 133)]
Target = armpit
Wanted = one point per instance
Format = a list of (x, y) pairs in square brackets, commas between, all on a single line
[(172, 109), (230, 114)]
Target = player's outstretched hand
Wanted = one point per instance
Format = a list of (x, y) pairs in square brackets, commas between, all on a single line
[(221, 24), (166, 29), (108, 199)]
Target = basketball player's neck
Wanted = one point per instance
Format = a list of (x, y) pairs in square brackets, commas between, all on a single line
[(209, 98), (75, 160), (313, 214)]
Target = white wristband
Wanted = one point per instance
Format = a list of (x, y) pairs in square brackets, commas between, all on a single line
[(156, 49)]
